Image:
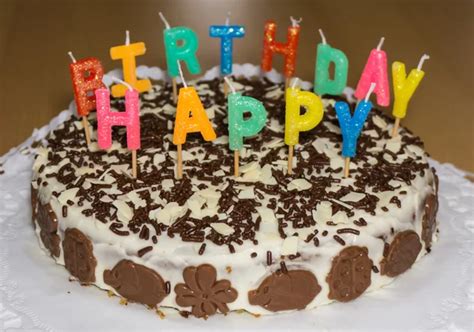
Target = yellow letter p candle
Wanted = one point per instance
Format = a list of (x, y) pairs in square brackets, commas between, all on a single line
[(295, 122)]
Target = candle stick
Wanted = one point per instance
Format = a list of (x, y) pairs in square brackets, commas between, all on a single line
[(190, 118), (106, 119), (240, 126), (226, 33), (295, 122), (351, 127), (326, 55), (181, 44), (288, 49), (127, 53), (375, 71), (404, 87), (86, 76)]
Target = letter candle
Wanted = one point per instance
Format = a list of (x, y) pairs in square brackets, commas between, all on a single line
[(403, 88), (175, 52), (128, 53), (351, 126), (226, 33), (86, 76), (239, 126), (130, 118), (323, 84), (190, 118), (295, 122), (375, 71), (288, 49)]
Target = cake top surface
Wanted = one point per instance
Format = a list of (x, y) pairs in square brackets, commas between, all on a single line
[(209, 206)]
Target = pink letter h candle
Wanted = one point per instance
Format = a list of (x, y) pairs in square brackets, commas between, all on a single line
[(106, 118)]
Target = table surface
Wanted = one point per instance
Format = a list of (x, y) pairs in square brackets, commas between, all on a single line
[(36, 35)]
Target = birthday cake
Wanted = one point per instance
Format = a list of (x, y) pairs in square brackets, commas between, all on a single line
[(263, 242)]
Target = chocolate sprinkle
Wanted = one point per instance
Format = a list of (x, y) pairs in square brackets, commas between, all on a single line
[(339, 239), (283, 267), (143, 251), (269, 258), (202, 248)]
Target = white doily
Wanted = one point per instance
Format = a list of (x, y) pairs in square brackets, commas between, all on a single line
[(35, 294)]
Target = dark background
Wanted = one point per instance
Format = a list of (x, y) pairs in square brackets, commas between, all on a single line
[(35, 36)]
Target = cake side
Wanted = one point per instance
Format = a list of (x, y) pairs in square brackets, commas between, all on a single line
[(209, 243)]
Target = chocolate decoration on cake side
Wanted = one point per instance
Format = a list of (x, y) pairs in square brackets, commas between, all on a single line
[(136, 283), (429, 219), (281, 291), (78, 255), (48, 223), (402, 253), (34, 204), (350, 274), (203, 292)]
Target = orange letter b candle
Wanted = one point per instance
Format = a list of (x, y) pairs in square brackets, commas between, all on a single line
[(128, 53), (191, 117), (86, 75)]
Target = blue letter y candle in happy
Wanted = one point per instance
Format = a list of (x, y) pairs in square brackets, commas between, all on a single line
[(351, 126)]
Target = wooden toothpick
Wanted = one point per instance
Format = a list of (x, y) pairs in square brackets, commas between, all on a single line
[(226, 86), (175, 90), (347, 163), (395, 127), (290, 159), (236, 163), (85, 124), (227, 83), (134, 164), (179, 174), (291, 147)]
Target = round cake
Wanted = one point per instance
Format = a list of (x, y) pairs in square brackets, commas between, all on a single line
[(264, 242)]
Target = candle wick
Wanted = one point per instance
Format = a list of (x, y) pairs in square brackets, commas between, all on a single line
[(423, 58), (229, 83), (295, 22), (371, 89), (167, 25), (227, 19), (379, 46), (118, 80), (181, 74), (295, 81), (127, 37), (73, 59), (323, 38)]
